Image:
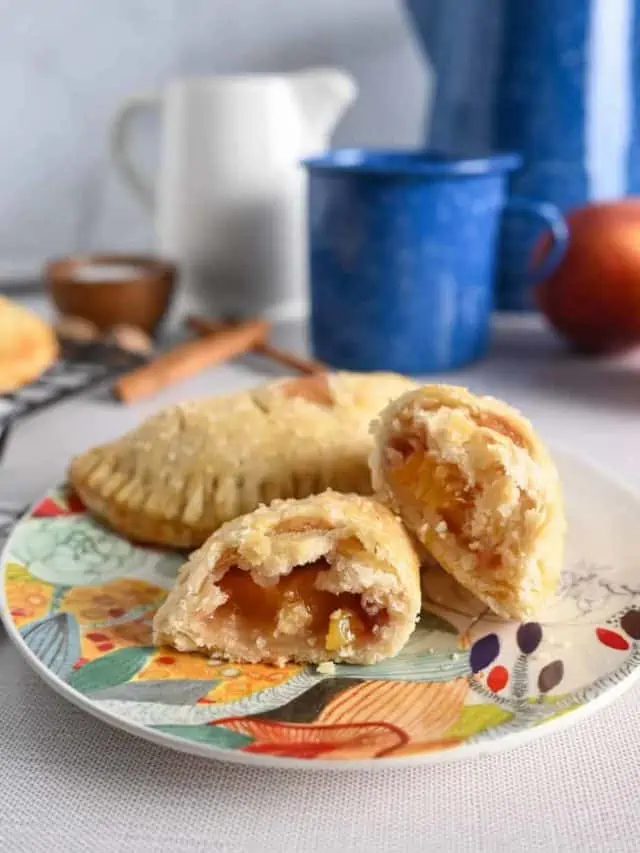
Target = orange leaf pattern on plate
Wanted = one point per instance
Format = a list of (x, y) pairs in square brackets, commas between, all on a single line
[(373, 718), (423, 710), (28, 599), (111, 600), (235, 681), (299, 740), (96, 642)]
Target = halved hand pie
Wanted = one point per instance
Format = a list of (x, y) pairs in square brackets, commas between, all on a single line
[(329, 577), (472, 480), (186, 470)]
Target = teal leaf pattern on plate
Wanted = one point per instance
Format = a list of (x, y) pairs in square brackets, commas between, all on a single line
[(158, 713), (55, 641), (212, 735), (112, 669), (77, 551), (434, 666), (169, 691)]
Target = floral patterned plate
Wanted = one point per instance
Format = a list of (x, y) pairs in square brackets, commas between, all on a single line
[(78, 603)]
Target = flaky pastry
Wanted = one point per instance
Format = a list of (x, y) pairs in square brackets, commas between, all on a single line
[(331, 577), (28, 346), (475, 484), (183, 472)]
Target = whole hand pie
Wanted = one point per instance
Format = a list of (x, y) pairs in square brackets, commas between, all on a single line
[(183, 472), (28, 346), (328, 577), (472, 480)]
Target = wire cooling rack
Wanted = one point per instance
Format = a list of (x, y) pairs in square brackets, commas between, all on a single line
[(81, 367)]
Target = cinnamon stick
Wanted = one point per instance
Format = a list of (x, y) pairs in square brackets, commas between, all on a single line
[(189, 358), (285, 357)]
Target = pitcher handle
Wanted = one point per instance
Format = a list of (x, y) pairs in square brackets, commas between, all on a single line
[(120, 137), (557, 225)]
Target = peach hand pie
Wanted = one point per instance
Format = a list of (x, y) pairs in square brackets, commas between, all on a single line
[(182, 473), (28, 346), (331, 577), (472, 480)]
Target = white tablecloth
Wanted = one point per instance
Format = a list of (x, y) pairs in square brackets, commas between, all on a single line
[(70, 783)]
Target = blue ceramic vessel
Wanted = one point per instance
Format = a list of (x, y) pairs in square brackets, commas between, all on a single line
[(540, 111), (402, 256), (555, 80)]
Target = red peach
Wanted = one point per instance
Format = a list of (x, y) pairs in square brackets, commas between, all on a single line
[(593, 297)]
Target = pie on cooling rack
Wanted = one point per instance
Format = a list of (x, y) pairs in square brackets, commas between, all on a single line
[(183, 472), (28, 346), (470, 477), (332, 577)]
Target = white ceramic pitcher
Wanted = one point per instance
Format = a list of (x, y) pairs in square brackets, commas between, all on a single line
[(229, 201)]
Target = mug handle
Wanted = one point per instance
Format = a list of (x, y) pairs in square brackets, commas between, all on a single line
[(120, 136), (557, 225)]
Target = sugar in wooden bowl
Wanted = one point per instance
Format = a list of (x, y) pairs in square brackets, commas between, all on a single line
[(112, 290)]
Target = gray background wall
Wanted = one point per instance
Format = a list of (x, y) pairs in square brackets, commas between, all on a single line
[(65, 64)]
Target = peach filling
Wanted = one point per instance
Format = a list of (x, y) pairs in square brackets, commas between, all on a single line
[(420, 480), (423, 481), (294, 606)]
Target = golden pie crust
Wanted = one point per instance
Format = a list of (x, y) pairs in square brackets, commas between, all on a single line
[(472, 480), (331, 577), (28, 346), (183, 472)]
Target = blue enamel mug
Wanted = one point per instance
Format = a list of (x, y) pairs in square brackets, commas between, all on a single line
[(403, 255)]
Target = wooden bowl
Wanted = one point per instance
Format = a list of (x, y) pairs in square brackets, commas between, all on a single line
[(110, 290)]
